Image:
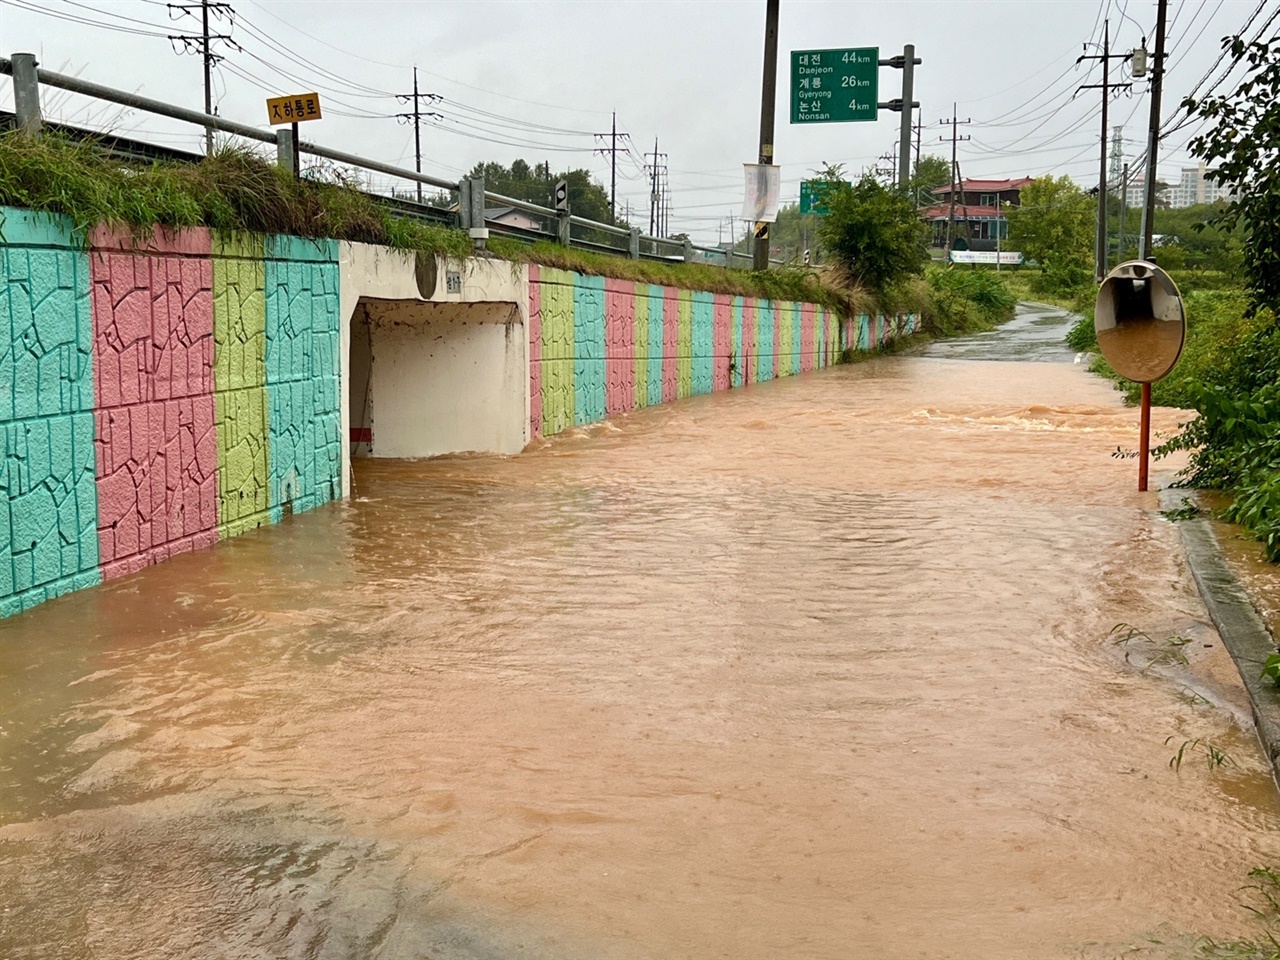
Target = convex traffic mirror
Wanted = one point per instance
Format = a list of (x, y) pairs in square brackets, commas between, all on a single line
[(1140, 321)]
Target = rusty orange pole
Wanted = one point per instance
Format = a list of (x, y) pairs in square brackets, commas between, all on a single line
[(1144, 441)]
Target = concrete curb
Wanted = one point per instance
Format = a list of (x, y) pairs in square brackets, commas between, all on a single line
[(1242, 631)]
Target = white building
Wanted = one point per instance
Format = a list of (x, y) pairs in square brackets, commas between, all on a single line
[(1196, 185)]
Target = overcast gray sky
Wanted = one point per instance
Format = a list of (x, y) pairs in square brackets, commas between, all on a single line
[(540, 77)]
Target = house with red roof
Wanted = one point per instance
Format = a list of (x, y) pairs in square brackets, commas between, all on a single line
[(977, 221)]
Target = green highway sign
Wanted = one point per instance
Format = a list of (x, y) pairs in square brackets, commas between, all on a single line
[(834, 86), (813, 196)]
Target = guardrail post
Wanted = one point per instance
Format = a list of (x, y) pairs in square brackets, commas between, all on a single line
[(688, 250), (562, 228), (476, 225), (464, 204), (286, 151), (26, 93), (633, 244)]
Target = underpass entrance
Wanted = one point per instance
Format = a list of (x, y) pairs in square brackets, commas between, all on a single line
[(428, 378)]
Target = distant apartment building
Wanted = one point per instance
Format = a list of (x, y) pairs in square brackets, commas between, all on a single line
[(1195, 185)]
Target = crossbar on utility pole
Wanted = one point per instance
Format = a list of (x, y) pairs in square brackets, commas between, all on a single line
[(415, 117), (612, 136), (1100, 244), (204, 42), (768, 98), (956, 184)]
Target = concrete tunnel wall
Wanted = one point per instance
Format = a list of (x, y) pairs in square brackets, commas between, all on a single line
[(159, 393), (435, 366)]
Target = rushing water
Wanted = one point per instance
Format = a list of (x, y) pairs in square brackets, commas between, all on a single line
[(815, 669)]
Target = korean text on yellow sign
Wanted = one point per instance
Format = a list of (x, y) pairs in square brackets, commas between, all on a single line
[(293, 109)]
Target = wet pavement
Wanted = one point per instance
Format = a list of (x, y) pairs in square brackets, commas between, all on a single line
[(819, 668), (1035, 334)]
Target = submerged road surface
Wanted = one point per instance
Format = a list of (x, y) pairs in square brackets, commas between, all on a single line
[(816, 669)]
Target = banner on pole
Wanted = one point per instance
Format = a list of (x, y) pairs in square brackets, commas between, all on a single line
[(762, 192)]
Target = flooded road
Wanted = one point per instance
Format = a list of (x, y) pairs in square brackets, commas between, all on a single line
[(819, 668)]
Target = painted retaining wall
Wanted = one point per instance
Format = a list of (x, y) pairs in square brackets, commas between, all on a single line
[(156, 395), (599, 347), (161, 393)]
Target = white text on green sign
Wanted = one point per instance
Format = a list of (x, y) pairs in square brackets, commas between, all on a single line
[(813, 196), (834, 86)]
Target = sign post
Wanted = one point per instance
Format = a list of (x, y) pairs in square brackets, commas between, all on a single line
[(292, 110), (835, 86)]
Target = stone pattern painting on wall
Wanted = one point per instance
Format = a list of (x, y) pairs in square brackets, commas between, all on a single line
[(157, 394), (600, 347)]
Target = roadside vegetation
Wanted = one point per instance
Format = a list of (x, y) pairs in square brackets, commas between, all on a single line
[(1227, 265), (875, 241)]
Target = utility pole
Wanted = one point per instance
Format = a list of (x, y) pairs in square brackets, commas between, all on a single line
[(954, 123), (656, 191), (415, 116), (1153, 137), (204, 47), (612, 150), (768, 96), (1100, 246)]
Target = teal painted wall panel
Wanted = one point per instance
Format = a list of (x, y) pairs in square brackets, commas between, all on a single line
[(768, 340), (657, 301), (303, 376), (588, 349), (48, 492), (736, 334), (703, 342)]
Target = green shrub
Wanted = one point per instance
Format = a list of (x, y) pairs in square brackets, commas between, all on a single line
[(966, 301)]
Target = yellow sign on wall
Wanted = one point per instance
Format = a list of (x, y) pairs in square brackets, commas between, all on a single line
[(293, 109)]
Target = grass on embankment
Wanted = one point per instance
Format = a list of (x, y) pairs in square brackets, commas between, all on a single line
[(231, 190), (235, 189), (782, 284)]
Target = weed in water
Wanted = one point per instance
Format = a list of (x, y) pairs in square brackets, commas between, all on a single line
[(1188, 511), (1214, 757), (1122, 633)]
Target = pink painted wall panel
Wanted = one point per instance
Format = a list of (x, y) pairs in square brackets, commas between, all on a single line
[(157, 481), (808, 345), (722, 342), (155, 441), (670, 343), (619, 345), (535, 352)]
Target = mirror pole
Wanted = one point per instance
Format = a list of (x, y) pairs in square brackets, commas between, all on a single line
[(1144, 440)]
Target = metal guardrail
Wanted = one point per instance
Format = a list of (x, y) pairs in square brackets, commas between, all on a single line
[(28, 76)]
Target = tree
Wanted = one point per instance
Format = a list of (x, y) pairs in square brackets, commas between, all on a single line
[(932, 171), (1241, 147), (873, 233), (1054, 225), (536, 185)]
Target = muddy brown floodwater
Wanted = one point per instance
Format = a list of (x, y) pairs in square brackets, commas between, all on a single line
[(815, 669)]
